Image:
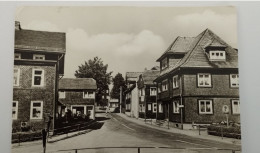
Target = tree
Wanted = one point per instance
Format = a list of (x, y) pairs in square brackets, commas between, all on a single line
[(118, 81), (98, 71)]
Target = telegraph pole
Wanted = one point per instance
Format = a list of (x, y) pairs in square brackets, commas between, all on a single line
[(120, 99)]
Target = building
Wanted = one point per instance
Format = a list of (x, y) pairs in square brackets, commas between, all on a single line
[(131, 94), (38, 64), (114, 105), (147, 93), (198, 78), (78, 96)]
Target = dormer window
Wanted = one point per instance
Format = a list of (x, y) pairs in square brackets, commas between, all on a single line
[(38, 57), (164, 63), (216, 55), (17, 55)]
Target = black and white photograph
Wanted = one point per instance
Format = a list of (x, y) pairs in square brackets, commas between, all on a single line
[(125, 79)]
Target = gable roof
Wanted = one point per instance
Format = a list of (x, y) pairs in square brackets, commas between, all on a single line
[(40, 40), (179, 46), (132, 76), (77, 83), (196, 57), (149, 76)]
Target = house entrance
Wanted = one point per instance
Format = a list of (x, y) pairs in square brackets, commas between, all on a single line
[(90, 111)]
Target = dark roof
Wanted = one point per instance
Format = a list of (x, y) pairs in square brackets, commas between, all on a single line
[(180, 45), (40, 40), (150, 75), (77, 83), (133, 74), (196, 57)]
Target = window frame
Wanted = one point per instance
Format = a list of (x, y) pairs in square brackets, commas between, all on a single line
[(149, 106), (160, 108), (211, 106), (175, 84), (31, 110), (154, 108), (232, 106), (38, 55), (88, 95), (166, 85), (18, 77), (176, 109), (19, 55), (203, 79), (215, 57), (236, 79), (16, 110), (42, 77), (159, 86), (64, 94), (154, 93), (164, 63)]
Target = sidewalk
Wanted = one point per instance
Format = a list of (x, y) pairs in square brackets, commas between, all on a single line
[(192, 133)]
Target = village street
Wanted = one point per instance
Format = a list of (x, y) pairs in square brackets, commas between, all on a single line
[(119, 132)]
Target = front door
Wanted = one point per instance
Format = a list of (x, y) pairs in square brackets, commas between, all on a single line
[(90, 112)]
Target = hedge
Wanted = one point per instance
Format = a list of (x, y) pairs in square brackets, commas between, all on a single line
[(230, 132), (26, 136)]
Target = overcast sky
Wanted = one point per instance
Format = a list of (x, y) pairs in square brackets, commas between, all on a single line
[(126, 38)]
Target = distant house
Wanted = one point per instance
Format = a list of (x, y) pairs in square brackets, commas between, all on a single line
[(147, 93), (78, 96), (198, 77), (38, 63), (131, 101), (113, 103)]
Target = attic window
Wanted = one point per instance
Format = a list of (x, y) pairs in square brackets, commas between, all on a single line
[(216, 55), (164, 63), (38, 57)]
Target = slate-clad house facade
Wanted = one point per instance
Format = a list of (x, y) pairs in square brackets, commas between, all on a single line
[(38, 63), (147, 94), (198, 76), (131, 98), (78, 96)]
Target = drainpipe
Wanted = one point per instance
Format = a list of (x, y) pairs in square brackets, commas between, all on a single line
[(181, 102)]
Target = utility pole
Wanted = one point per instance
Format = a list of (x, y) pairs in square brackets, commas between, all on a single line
[(120, 99)]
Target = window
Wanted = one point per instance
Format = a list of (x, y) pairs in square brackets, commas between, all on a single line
[(175, 81), (217, 55), (154, 107), (235, 107), (164, 63), (16, 77), (234, 80), (176, 109), (159, 87), (153, 91), (205, 107), (15, 110), (204, 80), (38, 57), (141, 108), (142, 92), (36, 110), (128, 106), (38, 77), (62, 94), (149, 107), (165, 85), (160, 108), (17, 55), (88, 94)]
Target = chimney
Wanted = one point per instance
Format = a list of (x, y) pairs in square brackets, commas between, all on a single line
[(17, 25)]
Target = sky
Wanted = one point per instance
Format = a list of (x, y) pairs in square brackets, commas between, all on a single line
[(128, 39)]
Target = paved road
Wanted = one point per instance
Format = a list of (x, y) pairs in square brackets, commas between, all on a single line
[(118, 132)]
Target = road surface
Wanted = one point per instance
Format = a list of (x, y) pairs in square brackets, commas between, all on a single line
[(115, 131)]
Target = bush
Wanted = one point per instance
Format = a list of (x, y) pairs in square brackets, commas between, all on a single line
[(26, 136), (230, 132)]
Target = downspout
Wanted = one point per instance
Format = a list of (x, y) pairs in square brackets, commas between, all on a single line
[(56, 90), (181, 90)]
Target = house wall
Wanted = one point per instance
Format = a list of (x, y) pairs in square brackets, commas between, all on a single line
[(220, 86), (75, 97), (25, 93), (191, 110), (134, 103)]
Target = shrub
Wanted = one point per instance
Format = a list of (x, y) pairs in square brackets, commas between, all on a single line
[(26, 136), (230, 132)]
